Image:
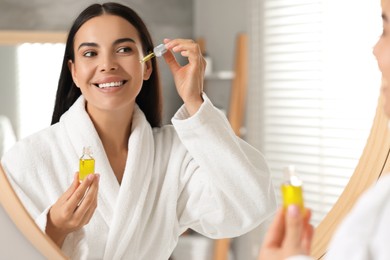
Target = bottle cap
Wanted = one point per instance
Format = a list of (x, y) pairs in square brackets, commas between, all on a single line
[(87, 150), (159, 50), (291, 177)]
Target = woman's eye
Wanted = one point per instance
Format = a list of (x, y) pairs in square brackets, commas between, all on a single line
[(124, 49), (89, 54)]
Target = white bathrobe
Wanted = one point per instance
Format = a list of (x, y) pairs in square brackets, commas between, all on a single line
[(195, 174), (365, 233)]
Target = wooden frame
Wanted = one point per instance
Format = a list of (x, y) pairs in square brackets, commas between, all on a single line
[(373, 163), (22, 219), (18, 37)]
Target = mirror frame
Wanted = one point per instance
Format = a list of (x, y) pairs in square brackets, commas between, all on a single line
[(18, 37), (373, 163), (23, 221)]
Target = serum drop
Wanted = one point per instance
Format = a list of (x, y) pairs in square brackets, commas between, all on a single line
[(87, 164)]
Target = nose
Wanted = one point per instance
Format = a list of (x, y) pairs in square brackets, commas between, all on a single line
[(375, 49), (108, 63)]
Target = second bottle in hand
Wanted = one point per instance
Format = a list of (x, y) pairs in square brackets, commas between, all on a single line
[(291, 188)]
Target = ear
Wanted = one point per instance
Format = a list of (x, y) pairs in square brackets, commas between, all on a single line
[(147, 69), (72, 70)]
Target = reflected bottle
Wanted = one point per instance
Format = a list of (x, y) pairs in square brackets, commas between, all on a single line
[(87, 164), (291, 188)]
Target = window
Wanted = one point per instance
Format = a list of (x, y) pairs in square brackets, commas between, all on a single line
[(38, 70), (316, 83)]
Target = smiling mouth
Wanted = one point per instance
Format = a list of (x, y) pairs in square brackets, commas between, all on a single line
[(111, 84)]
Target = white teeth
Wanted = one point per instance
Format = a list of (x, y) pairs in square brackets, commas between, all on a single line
[(110, 84)]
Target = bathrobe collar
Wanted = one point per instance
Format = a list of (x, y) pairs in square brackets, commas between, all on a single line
[(120, 205)]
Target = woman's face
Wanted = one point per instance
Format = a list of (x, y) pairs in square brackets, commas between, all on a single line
[(382, 54), (106, 64)]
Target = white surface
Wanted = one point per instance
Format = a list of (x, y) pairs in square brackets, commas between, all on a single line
[(222, 75), (7, 135), (13, 245), (193, 247)]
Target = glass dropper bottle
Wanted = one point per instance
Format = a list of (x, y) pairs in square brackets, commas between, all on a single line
[(291, 188), (87, 164)]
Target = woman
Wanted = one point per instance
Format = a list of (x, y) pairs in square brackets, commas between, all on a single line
[(154, 182), (365, 232)]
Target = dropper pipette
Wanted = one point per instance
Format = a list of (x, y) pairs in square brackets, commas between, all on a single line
[(158, 51)]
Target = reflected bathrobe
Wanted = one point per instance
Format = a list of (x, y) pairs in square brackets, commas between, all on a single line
[(365, 233), (193, 174)]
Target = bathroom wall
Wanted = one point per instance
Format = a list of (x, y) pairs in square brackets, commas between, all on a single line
[(219, 22), (8, 93)]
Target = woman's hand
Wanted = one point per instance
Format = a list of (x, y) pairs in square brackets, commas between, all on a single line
[(189, 78), (73, 209), (289, 234)]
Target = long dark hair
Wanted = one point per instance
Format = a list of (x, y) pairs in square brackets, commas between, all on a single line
[(149, 99)]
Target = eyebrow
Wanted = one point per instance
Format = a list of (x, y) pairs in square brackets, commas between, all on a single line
[(118, 41), (89, 44), (122, 40)]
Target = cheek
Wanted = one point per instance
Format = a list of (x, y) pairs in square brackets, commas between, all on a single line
[(135, 65), (135, 69), (83, 73), (383, 57)]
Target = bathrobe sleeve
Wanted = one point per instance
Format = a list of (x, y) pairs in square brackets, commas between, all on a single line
[(227, 189)]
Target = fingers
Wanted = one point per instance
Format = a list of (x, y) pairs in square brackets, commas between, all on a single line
[(68, 193), (188, 78), (88, 204), (307, 239), (294, 225), (275, 234), (308, 232), (171, 61), (74, 208), (184, 46), (187, 48), (290, 234), (299, 231), (78, 195)]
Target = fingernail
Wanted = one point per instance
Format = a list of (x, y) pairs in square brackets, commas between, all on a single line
[(293, 211), (97, 176), (90, 177)]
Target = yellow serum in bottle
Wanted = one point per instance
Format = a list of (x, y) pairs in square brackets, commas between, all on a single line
[(291, 188), (87, 164)]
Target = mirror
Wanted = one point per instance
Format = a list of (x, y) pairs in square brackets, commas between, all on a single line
[(35, 244), (374, 161)]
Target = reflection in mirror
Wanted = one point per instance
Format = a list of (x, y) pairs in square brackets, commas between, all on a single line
[(35, 75), (29, 67), (320, 87)]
